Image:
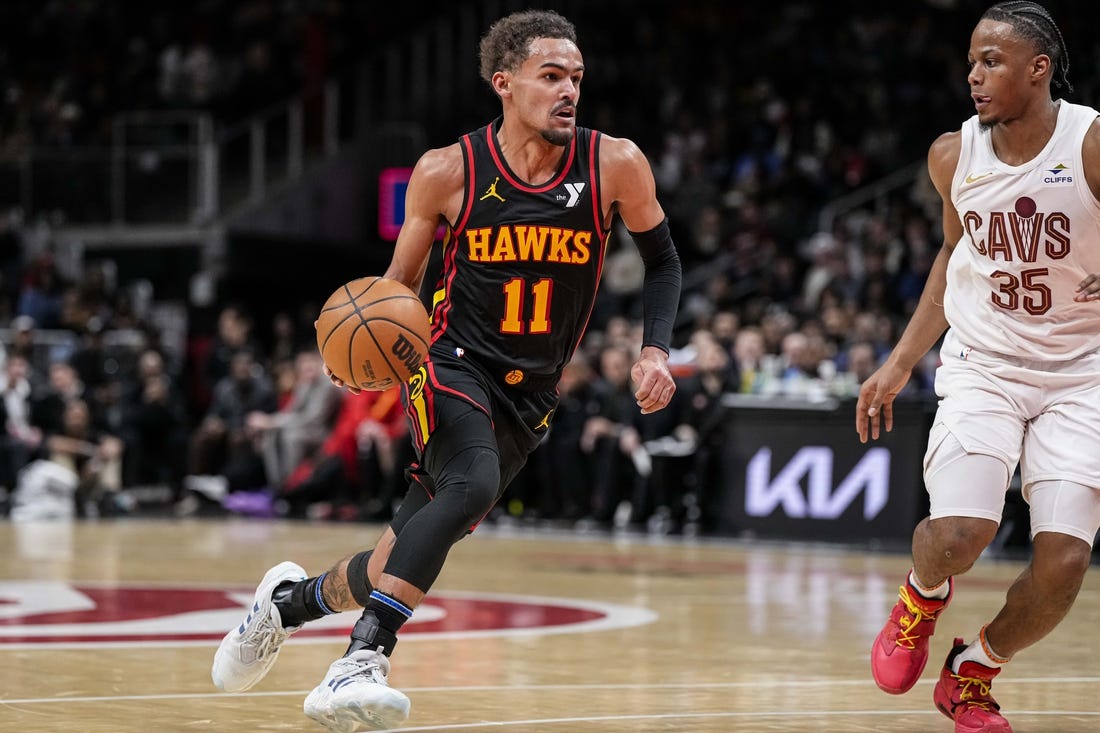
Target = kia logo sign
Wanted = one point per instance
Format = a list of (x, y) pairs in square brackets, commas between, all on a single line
[(803, 474), (822, 498)]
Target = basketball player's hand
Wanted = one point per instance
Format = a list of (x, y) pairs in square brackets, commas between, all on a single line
[(1088, 289), (652, 379), (876, 400), (339, 382)]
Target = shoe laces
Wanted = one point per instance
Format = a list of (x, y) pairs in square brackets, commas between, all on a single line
[(975, 692), (265, 636), (373, 666), (908, 635)]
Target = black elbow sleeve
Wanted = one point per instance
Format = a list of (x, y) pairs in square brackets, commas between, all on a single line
[(661, 289)]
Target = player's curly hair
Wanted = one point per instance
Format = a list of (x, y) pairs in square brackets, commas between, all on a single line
[(507, 43), (1033, 22)]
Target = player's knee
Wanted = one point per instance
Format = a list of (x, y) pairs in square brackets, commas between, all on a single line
[(476, 472), (482, 484), (961, 540), (1060, 560)]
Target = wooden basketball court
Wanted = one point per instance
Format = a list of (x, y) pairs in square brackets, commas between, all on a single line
[(106, 627)]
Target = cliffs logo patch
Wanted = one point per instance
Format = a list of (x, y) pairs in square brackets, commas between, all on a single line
[(45, 613), (1056, 173)]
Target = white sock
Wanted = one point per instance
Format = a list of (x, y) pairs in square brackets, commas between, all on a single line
[(938, 593), (979, 651)]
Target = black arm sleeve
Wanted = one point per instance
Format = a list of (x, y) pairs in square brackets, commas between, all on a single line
[(661, 289)]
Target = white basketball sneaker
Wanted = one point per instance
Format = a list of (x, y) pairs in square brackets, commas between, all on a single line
[(355, 693), (248, 651)]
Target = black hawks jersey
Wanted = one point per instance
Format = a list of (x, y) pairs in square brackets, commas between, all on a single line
[(521, 263)]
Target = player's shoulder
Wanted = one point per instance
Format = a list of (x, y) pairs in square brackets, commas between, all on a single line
[(1090, 156), (943, 156), (620, 153), (441, 165), (1092, 134), (947, 146)]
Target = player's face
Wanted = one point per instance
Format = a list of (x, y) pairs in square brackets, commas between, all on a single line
[(1000, 76), (547, 87)]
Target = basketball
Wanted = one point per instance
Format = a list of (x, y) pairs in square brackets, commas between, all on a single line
[(373, 333)]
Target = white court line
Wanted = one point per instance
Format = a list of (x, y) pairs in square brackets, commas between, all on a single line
[(758, 684), (706, 716)]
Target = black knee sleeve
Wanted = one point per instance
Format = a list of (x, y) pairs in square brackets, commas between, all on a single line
[(358, 580), (466, 486), (475, 472)]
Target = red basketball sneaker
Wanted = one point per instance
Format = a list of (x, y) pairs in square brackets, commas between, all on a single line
[(964, 696), (900, 650)]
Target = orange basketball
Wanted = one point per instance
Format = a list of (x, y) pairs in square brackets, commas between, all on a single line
[(373, 333)]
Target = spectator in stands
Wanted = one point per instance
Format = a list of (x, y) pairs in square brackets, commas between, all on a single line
[(222, 454), (913, 273), (703, 425), (78, 465), (775, 324), (724, 326), (23, 341), (93, 365), (836, 326), (873, 328), (20, 439), (354, 473), (41, 294), (155, 426), (234, 334), (298, 428), (611, 435), (859, 362), (561, 473), (63, 386), (285, 341), (805, 365), (875, 289), (750, 357)]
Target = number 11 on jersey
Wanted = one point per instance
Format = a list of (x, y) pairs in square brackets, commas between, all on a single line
[(515, 292)]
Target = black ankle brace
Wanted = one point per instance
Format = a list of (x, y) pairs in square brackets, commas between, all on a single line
[(300, 602), (368, 634)]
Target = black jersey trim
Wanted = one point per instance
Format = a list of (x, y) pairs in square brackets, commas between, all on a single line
[(594, 183), (468, 162), (502, 166), (442, 309)]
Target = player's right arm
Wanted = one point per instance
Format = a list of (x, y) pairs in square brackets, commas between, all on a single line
[(434, 195), (876, 395)]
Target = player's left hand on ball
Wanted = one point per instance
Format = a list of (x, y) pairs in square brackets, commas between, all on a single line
[(655, 385), (1088, 289), (339, 382)]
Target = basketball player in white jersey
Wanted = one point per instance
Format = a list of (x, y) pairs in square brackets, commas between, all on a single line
[(1015, 287)]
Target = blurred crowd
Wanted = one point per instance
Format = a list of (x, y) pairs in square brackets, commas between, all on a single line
[(758, 120), (96, 409), (68, 66)]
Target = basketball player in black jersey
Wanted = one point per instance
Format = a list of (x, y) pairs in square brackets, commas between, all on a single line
[(527, 202)]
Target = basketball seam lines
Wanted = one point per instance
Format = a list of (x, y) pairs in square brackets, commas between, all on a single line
[(380, 300), (381, 350), (364, 323), (404, 327)]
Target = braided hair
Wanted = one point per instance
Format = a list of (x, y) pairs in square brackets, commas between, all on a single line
[(1033, 22)]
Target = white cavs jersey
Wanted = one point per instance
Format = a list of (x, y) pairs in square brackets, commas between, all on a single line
[(1031, 232)]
